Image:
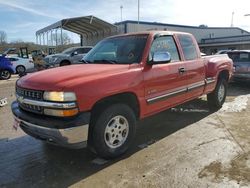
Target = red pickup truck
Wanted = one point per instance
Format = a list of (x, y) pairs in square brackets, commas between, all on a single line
[(122, 79)]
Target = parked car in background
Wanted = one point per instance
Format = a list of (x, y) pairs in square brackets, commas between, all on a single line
[(241, 63), (21, 65), (6, 68), (67, 57)]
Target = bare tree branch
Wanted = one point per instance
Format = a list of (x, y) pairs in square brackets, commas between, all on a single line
[(3, 37)]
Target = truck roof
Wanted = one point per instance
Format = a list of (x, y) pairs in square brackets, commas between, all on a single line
[(151, 33)]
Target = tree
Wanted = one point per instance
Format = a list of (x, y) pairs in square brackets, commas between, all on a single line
[(3, 37), (65, 39)]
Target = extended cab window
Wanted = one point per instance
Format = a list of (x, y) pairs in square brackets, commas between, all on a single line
[(188, 47), (165, 44)]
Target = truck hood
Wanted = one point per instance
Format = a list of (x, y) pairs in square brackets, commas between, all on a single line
[(58, 78)]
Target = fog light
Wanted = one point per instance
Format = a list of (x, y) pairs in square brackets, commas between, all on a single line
[(61, 113)]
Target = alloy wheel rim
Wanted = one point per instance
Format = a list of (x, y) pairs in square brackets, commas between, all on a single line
[(20, 69), (221, 92), (5, 74), (116, 131)]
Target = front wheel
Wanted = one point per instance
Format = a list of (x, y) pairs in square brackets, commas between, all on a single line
[(113, 130), (20, 69), (5, 74), (217, 98)]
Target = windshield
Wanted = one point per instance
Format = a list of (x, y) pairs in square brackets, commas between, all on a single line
[(118, 50), (68, 51)]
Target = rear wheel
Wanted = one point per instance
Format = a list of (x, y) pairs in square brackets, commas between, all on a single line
[(217, 98), (20, 69), (5, 74), (113, 130)]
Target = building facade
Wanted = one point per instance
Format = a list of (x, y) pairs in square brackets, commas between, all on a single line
[(210, 39)]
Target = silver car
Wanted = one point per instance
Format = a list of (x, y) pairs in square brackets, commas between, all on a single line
[(241, 63), (67, 57)]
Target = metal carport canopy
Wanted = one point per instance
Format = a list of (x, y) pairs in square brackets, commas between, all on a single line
[(87, 25)]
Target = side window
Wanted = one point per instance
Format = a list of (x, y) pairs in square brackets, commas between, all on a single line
[(239, 56), (13, 59), (188, 47), (86, 50), (244, 57), (83, 50), (165, 44), (80, 50)]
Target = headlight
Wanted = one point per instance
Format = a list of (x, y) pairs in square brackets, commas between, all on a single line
[(59, 96)]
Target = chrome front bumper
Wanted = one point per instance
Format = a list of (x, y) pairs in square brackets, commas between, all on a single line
[(75, 137), (71, 133)]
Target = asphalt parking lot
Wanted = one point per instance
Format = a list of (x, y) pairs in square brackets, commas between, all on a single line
[(188, 146)]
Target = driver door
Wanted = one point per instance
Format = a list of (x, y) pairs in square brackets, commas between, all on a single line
[(165, 84)]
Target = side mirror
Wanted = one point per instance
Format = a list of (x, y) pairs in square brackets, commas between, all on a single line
[(160, 58), (74, 53)]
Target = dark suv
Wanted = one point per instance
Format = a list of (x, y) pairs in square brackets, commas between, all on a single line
[(241, 63)]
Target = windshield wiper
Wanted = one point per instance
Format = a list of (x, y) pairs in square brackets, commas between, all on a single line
[(106, 61)]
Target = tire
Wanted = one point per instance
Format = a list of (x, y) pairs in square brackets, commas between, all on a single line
[(217, 98), (64, 63), (5, 74), (113, 131), (20, 69)]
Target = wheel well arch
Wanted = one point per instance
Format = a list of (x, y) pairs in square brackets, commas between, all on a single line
[(128, 98), (224, 75), (65, 61)]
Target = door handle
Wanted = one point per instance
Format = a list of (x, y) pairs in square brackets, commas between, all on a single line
[(181, 70)]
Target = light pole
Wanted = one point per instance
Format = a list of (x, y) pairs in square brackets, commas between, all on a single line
[(138, 14), (121, 7), (247, 15), (232, 20)]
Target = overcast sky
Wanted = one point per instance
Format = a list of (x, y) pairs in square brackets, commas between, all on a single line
[(20, 19)]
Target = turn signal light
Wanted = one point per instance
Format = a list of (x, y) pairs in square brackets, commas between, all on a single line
[(61, 113)]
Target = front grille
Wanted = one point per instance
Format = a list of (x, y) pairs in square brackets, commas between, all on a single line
[(30, 94), (32, 108)]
